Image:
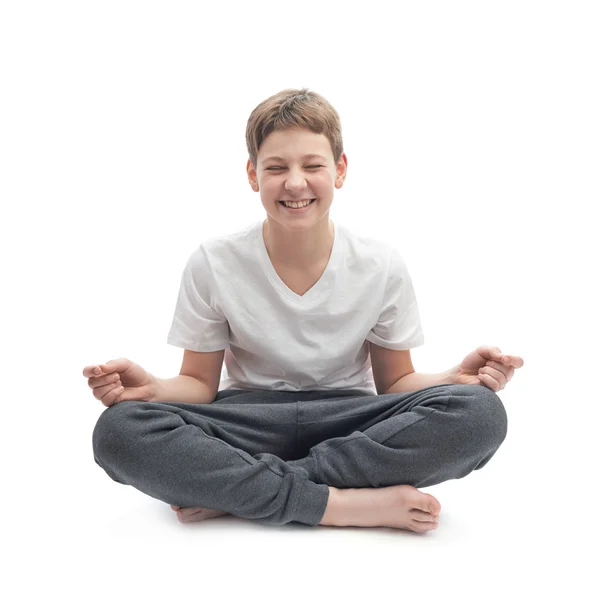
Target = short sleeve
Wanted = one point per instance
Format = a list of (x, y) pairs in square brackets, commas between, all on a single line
[(399, 323), (197, 325)]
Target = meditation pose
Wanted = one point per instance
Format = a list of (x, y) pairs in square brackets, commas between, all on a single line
[(319, 417)]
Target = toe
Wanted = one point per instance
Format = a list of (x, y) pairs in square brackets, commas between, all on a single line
[(190, 510), (422, 516), (431, 527), (421, 527), (425, 504), (431, 505)]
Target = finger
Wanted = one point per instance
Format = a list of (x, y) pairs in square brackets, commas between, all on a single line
[(490, 352), (505, 369), (118, 364), (513, 361), (489, 381), (111, 395), (497, 375), (494, 364), (91, 370), (494, 353), (95, 382), (102, 390)]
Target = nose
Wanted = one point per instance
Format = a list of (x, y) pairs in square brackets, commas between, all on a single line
[(295, 181)]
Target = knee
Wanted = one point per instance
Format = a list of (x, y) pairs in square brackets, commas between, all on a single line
[(112, 431), (484, 414)]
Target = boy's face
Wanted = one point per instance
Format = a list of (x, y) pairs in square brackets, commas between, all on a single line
[(296, 176)]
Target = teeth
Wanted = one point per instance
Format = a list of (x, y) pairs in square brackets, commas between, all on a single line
[(297, 204)]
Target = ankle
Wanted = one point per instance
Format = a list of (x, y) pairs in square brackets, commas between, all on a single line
[(333, 508)]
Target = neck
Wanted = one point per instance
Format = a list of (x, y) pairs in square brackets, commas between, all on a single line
[(301, 249)]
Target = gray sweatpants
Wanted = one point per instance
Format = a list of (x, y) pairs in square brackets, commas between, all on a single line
[(270, 455)]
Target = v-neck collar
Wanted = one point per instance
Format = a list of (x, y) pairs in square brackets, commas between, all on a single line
[(316, 290)]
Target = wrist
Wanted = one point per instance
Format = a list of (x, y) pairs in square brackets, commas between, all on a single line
[(452, 374), (153, 388)]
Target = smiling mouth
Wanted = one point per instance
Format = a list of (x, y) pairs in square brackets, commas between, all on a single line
[(312, 200)]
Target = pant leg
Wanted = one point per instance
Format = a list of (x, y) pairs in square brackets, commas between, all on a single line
[(418, 438), (223, 455)]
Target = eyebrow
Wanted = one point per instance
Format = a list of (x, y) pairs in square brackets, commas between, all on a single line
[(305, 156)]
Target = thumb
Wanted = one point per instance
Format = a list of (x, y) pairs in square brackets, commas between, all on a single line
[(130, 393), (113, 366)]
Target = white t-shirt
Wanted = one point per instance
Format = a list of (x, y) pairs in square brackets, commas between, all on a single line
[(231, 298)]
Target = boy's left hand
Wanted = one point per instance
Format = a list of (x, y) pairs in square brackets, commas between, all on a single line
[(487, 366)]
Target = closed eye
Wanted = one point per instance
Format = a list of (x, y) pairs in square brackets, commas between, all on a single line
[(309, 167)]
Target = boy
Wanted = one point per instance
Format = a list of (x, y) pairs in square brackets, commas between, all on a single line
[(321, 418)]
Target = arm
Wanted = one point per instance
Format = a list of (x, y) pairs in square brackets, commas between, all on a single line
[(417, 381), (393, 372), (181, 388)]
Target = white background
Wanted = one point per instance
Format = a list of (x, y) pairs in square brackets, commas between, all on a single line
[(472, 134)]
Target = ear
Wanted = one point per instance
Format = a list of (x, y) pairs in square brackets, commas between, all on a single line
[(252, 175), (341, 170)]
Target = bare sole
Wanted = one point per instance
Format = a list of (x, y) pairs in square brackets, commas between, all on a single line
[(196, 513)]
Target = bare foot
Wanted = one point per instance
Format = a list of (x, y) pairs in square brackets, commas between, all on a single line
[(398, 506), (196, 513)]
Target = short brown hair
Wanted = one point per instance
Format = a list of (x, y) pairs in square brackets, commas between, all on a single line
[(294, 109)]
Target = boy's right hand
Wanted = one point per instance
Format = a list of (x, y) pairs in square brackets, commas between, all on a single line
[(118, 380)]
